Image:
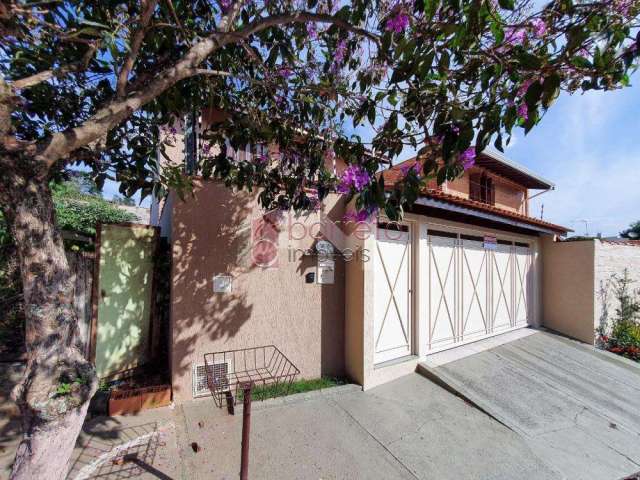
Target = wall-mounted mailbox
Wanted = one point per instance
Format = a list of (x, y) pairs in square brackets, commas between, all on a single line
[(326, 271)]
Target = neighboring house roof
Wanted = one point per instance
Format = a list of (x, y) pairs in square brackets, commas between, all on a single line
[(395, 174), (621, 241), (142, 213)]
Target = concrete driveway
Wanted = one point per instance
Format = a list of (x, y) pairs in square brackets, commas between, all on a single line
[(576, 407)]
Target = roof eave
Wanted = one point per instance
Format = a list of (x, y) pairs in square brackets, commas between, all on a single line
[(445, 205), (537, 182)]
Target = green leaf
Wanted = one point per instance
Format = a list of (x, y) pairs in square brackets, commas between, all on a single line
[(506, 4), (497, 31), (94, 24), (532, 97), (371, 113), (551, 89), (529, 61), (430, 7), (581, 62)]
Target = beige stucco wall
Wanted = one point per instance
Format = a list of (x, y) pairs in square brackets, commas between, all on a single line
[(568, 301), (508, 195), (578, 295), (613, 259), (211, 234), (354, 324)]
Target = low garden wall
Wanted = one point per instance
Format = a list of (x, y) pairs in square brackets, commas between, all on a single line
[(578, 283)]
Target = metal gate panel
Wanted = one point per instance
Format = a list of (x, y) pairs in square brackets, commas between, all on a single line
[(392, 295), (443, 279), (474, 320), (522, 285), (502, 288)]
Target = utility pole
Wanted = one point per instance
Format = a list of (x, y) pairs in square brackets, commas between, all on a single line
[(586, 226)]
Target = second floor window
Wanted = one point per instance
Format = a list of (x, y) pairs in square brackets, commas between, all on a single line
[(482, 189)]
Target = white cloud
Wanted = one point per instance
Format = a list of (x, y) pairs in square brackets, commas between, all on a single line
[(587, 144)]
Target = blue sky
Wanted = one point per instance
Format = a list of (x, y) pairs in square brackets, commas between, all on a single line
[(589, 146)]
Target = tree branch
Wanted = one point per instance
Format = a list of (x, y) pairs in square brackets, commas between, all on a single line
[(62, 143), (304, 17), (148, 6), (213, 73), (45, 75)]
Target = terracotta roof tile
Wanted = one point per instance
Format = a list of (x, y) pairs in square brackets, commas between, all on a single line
[(623, 241)]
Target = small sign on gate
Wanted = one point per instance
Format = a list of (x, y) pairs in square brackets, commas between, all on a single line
[(490, 242)]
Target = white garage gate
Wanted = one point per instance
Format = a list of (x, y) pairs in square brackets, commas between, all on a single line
[(473, 290), (392, 322)]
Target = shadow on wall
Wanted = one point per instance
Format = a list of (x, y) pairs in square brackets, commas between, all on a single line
[(214, 238), (212, 235), (332, 305), (331, 315)]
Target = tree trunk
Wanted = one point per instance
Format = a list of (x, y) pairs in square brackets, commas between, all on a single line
[(54, 395)]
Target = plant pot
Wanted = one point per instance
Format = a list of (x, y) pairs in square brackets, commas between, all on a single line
[(127, 402)]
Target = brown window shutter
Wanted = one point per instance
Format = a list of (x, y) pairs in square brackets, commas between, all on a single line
[(474, 186)]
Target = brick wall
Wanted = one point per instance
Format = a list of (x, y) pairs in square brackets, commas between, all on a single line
[(612, 258)]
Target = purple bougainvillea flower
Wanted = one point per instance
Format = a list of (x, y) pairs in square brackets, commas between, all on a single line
[(225, 4), (525, 86), (338, 56), (515, 36), (398, 23), (415, 168), (539, 27), (341, 49), (468, 158), (622, 7), (354, 177), (583, 52), (523, 111), (285, 72), (312, 31), (360, 216)]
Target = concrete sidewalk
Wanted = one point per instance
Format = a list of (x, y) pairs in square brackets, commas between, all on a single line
[(408, 429), (139, 446), (555, 410), (578, 408)]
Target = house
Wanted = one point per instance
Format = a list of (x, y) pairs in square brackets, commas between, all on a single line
[(462, 265)]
